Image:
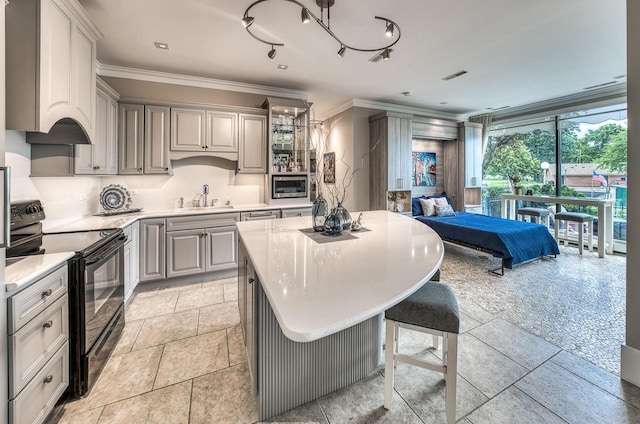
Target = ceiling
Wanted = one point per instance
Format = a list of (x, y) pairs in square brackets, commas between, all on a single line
[(516, 52)]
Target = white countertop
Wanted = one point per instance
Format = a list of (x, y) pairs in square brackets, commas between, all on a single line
[(32, 268), (319, 289), (120, 221)]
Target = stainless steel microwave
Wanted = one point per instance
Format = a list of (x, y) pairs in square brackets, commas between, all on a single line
[(288, 186)]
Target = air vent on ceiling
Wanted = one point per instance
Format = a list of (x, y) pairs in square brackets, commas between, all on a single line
[(377, 57), (604, 84), (498, 108), (454, 75)]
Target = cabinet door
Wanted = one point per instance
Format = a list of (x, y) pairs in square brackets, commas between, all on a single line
[(185, 252), (399, 154), (222, 248), (100, 158), (128, 290), (188, 129), (222, 131), (156, 140), (83, 78), (135, 255), (130, 139), (152, 249), (252, 158)]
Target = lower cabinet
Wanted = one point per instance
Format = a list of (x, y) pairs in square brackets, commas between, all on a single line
[(131, 259), (202, 243), (38, 348), (247, 285), (288, 213), (152, 249)]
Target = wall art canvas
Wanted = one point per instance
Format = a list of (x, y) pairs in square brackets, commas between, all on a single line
[(330, 168), (423, 167)]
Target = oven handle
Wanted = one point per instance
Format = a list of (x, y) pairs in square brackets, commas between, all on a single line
[(106, 336), (120, 242), (6, 224)]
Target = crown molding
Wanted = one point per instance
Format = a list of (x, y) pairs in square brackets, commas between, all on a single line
[(193, 81), (390, 107)]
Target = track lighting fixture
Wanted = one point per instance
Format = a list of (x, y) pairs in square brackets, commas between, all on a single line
[(391, 28)]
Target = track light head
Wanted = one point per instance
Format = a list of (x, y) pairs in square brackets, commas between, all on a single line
[(305, 16), (342, 50), (386, 54), (247, 21), (389, 31), (272, 53)]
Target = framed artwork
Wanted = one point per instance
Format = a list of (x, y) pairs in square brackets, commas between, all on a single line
[(330, 168), (423, 168)]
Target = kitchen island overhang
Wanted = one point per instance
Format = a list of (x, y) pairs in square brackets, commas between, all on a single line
[(311, 313)]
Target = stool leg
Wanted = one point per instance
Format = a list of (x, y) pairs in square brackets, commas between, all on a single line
[(555, 227), (580, 239), (388, 364), (590, 236), (451, 376)]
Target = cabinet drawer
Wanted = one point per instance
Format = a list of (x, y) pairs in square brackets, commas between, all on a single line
[(288, 213), (37, 400), (257, 215), (202, 221), (25, 305), (35, 343)]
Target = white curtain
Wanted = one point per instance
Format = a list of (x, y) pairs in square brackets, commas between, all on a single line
[(485, 120)]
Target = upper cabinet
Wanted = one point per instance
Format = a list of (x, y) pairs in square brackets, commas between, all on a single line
[(252, 158), (188, 128), (50, 65), (288, 135), (101, 158), (208, 131), (143, 139)]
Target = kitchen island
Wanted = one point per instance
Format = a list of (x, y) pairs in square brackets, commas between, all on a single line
[(311, 312)]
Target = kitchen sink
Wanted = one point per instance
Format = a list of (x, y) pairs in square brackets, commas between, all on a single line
[(205, 208)]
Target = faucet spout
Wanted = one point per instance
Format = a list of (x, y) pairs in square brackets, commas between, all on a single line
[(205, 192)]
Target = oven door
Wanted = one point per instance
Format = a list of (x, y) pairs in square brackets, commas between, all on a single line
[(103, 288), (284, 187)]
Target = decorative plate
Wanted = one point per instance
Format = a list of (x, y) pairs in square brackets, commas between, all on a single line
[(115, 197)]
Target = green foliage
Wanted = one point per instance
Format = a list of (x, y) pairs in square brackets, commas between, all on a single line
[(511, 159), (614, 157)]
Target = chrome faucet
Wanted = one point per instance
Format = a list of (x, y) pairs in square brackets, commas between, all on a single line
[(196, 200), (205, 191)]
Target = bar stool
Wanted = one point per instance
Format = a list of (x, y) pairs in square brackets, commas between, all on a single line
[(433, 309), (539, 213), (579, 218)]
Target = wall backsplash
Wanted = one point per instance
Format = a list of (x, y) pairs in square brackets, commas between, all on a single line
[(67, 199)]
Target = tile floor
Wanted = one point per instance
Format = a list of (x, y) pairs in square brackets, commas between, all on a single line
[(181, 360)]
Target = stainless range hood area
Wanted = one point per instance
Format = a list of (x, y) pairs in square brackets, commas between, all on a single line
[(65, 131)]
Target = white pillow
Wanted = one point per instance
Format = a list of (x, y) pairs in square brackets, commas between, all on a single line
[(441, 201), (428, 206)]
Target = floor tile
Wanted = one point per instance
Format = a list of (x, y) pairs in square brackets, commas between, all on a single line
[(235, 341), (167, 405), (86, 417), (601, 378), (147, 307), (223, 397), (188, 358), (180, 287), (424, 391), (125, 376), (167, 328), (218, 317), (230, 291), (575, 399), (220, 282), (485, 368), (519, 345), (308, 413), (474, 311), (198, 298), (362, 403), (128, 337), (467, 323), (413, 342), (513, 406)]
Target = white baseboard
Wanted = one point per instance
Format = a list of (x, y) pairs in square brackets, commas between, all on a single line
[(630, 365)]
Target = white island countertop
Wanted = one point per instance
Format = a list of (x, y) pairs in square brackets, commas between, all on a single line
[(31, 268), (317, 289)]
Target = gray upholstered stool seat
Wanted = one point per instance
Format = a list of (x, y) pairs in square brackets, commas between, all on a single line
[(580, 218), (432, 309), (539, 213)]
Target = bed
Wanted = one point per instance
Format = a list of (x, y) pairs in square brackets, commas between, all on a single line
[(514, 242)]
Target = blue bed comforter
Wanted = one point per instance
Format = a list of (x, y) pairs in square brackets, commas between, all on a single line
[(514, 241)]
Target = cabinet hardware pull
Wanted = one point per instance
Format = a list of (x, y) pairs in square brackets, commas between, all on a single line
[(96, 167), (47, 293), (251, 281), (48, 379), (140, 169), (166, 169), (47, 324), (203, 147)]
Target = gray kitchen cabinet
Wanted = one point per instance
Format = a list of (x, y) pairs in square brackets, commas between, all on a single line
[(259, 215), (185, 252), (222, 131), (247, 286), (131, 259), (143, 139), (50, 65), (131, 139), (188, 129), (101, 157), (152, 249), (202, 243), (288, 213), (390, 161), (156, 139), (252, 154), (38, 347)]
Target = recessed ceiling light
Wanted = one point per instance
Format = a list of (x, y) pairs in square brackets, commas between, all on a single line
[(443, 103), (283, 67), (454, 75), (163, 46), (407, 93), (620, 76)]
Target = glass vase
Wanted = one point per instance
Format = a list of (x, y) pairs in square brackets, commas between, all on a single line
[(333, 224), (319, 212), (344, 214)]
